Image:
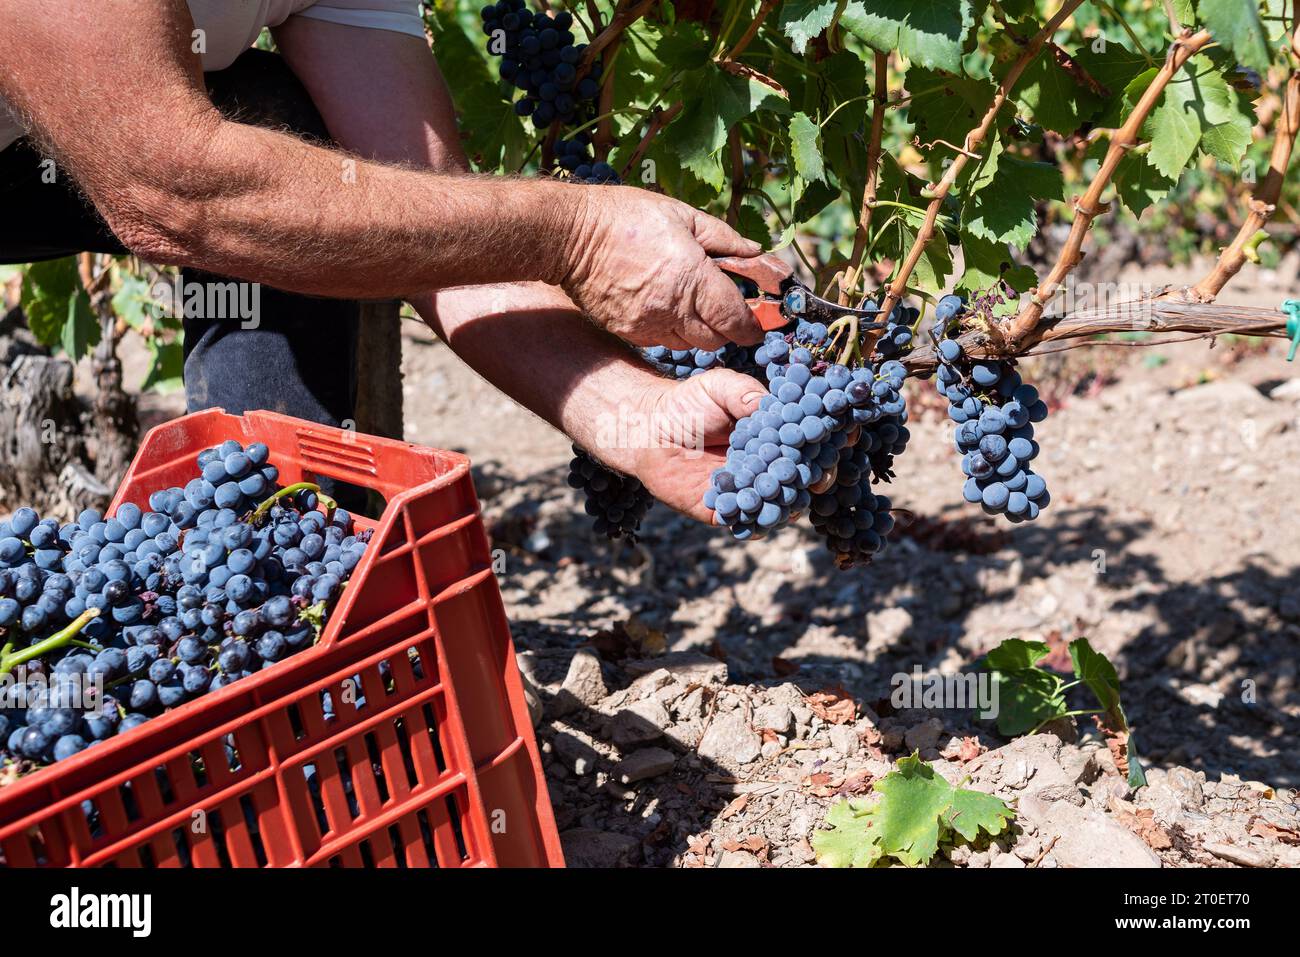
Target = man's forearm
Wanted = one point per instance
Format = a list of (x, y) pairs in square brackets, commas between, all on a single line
[(274, 209), (531, 343), (180, 184)]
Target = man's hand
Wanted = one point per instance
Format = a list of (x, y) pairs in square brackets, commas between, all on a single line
[(640, 268), (689, 423)]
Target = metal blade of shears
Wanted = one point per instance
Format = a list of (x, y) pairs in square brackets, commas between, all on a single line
[(783, 298)]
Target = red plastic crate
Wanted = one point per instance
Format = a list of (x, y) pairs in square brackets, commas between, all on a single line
[(459, 781)]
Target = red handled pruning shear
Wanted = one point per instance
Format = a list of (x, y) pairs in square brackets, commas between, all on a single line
[(782, 298)]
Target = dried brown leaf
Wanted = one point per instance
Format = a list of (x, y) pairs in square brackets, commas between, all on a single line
[(834, 705), (734, 808), (1141, 821)]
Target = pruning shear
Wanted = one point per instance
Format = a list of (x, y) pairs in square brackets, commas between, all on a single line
[(783, 298)]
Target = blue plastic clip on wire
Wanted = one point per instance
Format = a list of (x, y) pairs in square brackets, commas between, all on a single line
[(1292, 308)]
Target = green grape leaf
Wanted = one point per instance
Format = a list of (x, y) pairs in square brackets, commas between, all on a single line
[(684, 48), (805, 147), (929, 33), (974, 811), (1139, 184), (1055, 99), (812, 198), (1027, 699), (851, 840), (1111, 64), (917, 811), (987, 262), (1002, 208), (1016, 654), (1197, 103), (715, 101), (805, 20), (133, 303), (947, 107), (1232, 133), (835, 93), (1096, 671), (1115, 67), (1236, 24), (80, 327), (751, 224), (841, 81), (166, 364), (49, 295), (1026, 694), (913, 800)]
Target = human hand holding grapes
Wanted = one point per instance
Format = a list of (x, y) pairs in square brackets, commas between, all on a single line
[(688, 425)]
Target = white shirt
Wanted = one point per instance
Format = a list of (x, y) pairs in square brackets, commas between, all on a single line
[(231, 26)]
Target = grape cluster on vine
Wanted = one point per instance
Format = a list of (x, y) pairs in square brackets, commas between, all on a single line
[(994, 411), (616, 502), (539, 55), (810, 445)]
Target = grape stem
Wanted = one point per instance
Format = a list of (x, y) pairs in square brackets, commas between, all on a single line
[(970, 147), (849, 287), (751, 31), (852, 346), (1023, 329), (1067, 714), (10, 659), (329, 503)]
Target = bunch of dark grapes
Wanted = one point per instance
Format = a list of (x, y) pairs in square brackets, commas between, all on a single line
[(161, 606), (852, 519), (896, 340), (539, 56), (684, 363), (574, 155), (616, 502), (994, 412), (783, 453)]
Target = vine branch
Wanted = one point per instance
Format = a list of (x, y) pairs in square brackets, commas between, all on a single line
[(603, 141), (1090, 206), (658, 120), (625, 14), (751, 31), (880, 102), (973, 141), (1157, 315), (1264, 201)]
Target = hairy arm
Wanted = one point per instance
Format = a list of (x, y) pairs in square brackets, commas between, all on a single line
[(114, 92), (382, 96)]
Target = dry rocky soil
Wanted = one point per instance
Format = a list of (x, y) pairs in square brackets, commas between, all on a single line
[(702, 702)]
